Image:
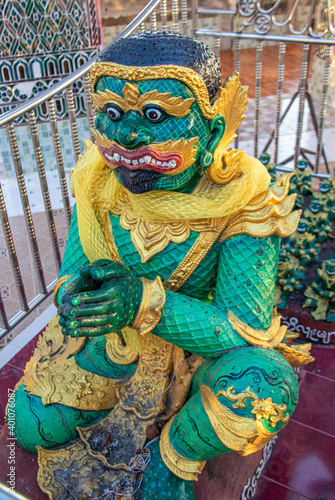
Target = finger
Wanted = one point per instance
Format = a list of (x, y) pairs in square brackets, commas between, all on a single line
[(114, 270), (104, 294), (79, 285), (89, 332), (85, 271), (92, 322), (91, 297), (93, 310), (75, 286)]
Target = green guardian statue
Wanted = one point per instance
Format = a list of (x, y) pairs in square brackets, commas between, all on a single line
[(167, 214)]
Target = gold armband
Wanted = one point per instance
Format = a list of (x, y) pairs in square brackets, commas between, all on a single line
[(59, 283), (149, 312), (264, 338)]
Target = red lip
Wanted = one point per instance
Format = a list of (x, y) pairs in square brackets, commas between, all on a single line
[(144, 158)]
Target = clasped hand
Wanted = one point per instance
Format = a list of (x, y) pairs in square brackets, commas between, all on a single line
[(104, 298)]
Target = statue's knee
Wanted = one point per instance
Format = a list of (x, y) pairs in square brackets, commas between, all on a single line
[(264, 371), (238, 402), (254, 387), (34, 424)]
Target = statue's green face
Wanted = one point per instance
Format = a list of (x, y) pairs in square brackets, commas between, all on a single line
[(325, 187), (152, 133), (302, 164), (302, 226), (315, 207)]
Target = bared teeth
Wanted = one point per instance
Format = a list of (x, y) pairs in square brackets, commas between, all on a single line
[(144, 160)]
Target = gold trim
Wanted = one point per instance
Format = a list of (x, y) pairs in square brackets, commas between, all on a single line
[(135, 74), (57, 286), (267, 409), (149, 312), (231, 103), (195, 255), (118, 352), (183, 147), (151, 238), (56, 378), (182, 467), (269, 213), (240, 398), (264, 338), (262, 408), (243, 434), (296, 355), (132, 99)]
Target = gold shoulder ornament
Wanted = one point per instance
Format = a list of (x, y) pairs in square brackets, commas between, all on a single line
[(269, 213)]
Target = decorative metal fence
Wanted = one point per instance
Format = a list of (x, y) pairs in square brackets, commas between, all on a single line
[(249, 21)]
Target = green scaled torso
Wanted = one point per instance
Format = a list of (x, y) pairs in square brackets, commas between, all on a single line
[(241, 271)]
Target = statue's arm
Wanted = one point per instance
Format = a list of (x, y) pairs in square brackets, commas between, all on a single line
[(245, 286), (74, 258)]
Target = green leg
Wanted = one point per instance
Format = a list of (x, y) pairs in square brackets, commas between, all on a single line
[(93, 358), (159, 483), (264, 371), (55, 424), (47, 426)]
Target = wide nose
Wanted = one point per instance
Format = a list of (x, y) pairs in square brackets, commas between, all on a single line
[(132, 132)]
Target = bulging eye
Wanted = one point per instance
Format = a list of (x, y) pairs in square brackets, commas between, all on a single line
[(154, 113), (113, 111)]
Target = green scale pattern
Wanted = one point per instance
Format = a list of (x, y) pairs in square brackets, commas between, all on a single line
[(199, 285), (188, 322), (74, 257), (246, 281), (245, 285)]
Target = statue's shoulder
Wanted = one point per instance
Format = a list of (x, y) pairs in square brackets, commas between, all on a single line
[(268, 213)]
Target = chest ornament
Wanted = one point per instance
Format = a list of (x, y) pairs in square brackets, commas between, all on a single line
[(151, 238)]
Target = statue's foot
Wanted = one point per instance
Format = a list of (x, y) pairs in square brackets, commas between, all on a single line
[(159, 483)]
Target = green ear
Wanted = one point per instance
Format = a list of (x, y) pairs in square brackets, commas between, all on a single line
[(217, 127)]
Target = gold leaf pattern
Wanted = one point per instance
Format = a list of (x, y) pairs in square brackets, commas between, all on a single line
[(265, 338), (243, 434), (175, 106), (56, 378)]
